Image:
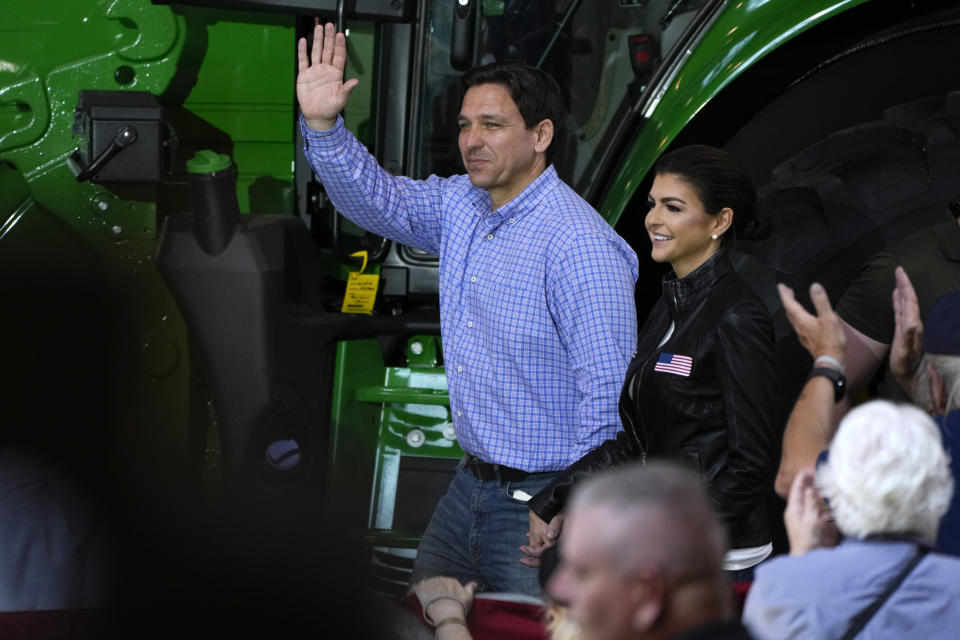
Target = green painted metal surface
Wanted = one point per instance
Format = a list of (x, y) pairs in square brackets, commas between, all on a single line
[(742, 34), (380, 414), (402, 394), (242, 101), (354, 425), (47, 55), (226, 81), (207, 161)]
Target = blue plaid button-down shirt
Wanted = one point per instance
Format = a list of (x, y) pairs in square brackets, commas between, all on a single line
[(537, 313)]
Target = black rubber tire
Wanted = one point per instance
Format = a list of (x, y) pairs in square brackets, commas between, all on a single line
[(859, 190), (838, 202)]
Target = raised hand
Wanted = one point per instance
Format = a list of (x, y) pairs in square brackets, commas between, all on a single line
[(819, 334), (321, 91), (907, 346)]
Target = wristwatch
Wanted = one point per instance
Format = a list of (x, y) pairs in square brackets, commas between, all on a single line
[(836, 377)]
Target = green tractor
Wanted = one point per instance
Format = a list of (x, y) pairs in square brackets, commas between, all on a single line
[(174, 278)]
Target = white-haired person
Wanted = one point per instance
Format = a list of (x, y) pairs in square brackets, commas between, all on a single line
[(887, 481), (924, 359)]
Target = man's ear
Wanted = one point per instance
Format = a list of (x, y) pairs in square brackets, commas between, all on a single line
[(544, 132), (648, 594), (938, 391)]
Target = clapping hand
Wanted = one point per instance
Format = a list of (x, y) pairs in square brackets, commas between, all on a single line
[(821, 334), (809, 523), (907, 346)]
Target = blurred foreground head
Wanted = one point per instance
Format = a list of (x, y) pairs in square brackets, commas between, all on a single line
[(642, 555)]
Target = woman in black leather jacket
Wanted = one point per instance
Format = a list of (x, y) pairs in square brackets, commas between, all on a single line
[(701, 386)]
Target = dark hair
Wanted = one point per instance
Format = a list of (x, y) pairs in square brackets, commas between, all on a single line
[(719, 181), (535, 92)]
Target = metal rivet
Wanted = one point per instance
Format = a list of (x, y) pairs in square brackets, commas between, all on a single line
[(415, 438), (416, 348), (449, 432)]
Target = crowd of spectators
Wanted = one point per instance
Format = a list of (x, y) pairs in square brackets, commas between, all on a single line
[(871, 515)]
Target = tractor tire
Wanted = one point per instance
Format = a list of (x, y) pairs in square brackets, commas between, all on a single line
[(833, 206)]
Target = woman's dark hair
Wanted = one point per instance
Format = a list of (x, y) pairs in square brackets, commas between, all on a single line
[(719, 181), (535, 92)]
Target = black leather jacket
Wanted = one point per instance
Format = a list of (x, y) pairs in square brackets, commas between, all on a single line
[(718, 420)]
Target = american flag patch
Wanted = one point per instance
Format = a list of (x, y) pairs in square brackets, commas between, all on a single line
[(672, 363)]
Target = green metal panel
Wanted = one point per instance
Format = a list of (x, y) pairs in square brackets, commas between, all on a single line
[(48, 53), (231, 73), (380, 414), (354, 425), (743, 33), (244, 100)]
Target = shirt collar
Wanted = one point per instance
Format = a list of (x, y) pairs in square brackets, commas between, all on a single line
[(526, 201)]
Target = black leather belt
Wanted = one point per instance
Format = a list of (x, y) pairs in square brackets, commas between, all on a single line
[(486, 471)]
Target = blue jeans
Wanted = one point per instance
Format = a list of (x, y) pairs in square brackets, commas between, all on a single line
[(476, 531)]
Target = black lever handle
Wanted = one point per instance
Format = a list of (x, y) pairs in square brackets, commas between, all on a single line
[(462, 38), (125, 137)]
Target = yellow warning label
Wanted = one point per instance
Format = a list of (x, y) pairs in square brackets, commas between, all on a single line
[(361, 288)]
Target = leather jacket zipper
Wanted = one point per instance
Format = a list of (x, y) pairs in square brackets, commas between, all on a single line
[(636, 401), (640, 406), (674, 319)]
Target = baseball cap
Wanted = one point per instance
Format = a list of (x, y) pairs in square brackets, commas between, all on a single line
[(941, 327)]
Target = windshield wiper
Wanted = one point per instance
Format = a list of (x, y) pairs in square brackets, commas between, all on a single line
[(671, 11), (571, 11)]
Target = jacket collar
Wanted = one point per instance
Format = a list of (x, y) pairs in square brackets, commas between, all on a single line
[(682, 293)]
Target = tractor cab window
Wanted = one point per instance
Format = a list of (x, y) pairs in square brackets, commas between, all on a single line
[(602, 53)]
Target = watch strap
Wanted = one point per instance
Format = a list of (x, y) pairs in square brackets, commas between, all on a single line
[(835, 376)]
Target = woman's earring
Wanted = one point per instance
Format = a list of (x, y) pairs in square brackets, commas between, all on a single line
[(714, 236)]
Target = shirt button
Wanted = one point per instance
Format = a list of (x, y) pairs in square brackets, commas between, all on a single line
[(511, 220), (473, 279), (459, 414), (489, 236), (459, 369), (470, 324)]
